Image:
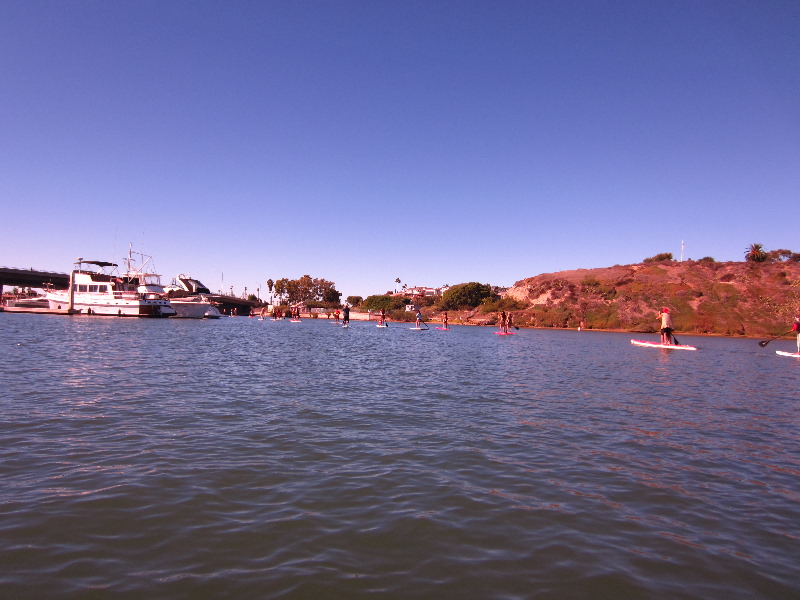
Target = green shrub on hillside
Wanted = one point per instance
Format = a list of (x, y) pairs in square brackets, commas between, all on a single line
[(466, 295), (506, 304), (659, 257), (378, 302)]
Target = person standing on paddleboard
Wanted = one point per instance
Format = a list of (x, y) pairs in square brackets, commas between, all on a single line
[(419, 320), (509, 322), (444, 320), (382, 320), (666, 327), (346, 316), (796, 329)]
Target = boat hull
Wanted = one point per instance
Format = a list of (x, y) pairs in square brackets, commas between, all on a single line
[(113, 307), (186, 308)]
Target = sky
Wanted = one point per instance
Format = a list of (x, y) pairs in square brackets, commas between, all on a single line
[(438, 142)]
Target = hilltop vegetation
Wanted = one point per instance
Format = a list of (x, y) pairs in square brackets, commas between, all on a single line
[(731, 298)]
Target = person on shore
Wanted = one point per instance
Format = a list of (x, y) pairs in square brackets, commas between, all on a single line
[(346, 316), (503, 322), (666, 327), (796, 329), (419, 320), (444, 321)]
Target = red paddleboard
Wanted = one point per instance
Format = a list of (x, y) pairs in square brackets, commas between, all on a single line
[(660, 345), (504, 333), (443, 328)]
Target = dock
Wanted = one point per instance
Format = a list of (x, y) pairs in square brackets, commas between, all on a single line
[(41, 311)]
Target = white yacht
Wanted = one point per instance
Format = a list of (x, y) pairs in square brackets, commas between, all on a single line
[(189, 297), (101, 291)]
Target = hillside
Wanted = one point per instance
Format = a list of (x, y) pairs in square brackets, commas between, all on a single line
[(730, 298)]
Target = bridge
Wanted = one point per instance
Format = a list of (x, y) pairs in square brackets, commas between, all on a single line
[(226, 304), (30, 278)]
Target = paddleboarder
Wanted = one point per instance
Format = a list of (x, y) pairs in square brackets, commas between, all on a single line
[(419, 319), (346, 316), (796, 329), (382, 320), (503, 322), (444, 320), (509, 322), (666, 327)]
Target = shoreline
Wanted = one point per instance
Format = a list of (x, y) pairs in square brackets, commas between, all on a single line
[(360, 316)]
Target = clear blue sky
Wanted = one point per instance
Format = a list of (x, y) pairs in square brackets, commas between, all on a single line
[(437, 142)]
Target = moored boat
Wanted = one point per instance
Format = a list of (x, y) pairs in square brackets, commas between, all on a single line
[(136, 293), (190, 299)]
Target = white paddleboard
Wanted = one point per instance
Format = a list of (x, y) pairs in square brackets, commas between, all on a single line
[(660, 345), (381, 326), (418, 328), (782, 353)]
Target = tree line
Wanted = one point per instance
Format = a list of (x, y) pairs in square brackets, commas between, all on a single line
[(306, 289), (457, 297)]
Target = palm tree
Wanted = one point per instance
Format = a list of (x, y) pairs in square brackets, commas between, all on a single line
[(755, 253), (397, 281)]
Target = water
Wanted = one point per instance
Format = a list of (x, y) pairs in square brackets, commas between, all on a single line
[(240, 458)]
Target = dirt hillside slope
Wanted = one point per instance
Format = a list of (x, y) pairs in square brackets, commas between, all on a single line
[(726, 298)]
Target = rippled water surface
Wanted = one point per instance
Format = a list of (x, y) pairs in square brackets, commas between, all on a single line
[(242, 458)]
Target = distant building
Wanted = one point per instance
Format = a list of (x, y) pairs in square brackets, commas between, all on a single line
[(422, 292)]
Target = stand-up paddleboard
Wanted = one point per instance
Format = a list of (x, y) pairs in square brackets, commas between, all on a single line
[(381, 326), (504, 333), (647, 344), (443, 328), (295, 321), (419, 328), (782, 353)]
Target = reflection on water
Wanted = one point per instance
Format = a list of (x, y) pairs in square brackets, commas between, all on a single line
[(258, 458)]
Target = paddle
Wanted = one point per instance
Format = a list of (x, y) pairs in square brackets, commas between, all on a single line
[(765, 342), (674, 339)]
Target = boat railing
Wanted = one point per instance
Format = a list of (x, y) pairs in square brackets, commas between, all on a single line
[(127, 296)]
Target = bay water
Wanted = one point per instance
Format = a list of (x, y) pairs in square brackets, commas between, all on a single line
[(241, 458)]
